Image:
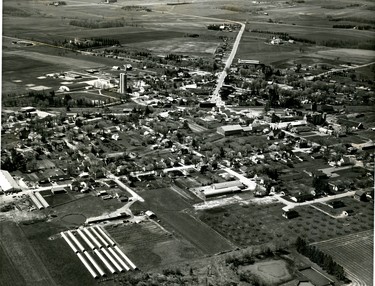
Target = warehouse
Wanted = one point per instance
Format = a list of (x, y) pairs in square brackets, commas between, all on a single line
[(227, 130), (7, 183)]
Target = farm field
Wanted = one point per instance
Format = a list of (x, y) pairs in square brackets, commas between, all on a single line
[(46, 242), (150, 246), (355, 253), (174, 212), (22, 258), (254, 224)]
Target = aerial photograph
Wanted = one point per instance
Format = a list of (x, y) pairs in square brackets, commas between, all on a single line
[(187, 142)]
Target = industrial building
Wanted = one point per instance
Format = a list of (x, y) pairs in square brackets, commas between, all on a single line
[(7, 183), (123, 83), (227, 130)]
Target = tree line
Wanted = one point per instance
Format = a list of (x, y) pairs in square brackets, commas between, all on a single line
[(323, 260), (92, 24)]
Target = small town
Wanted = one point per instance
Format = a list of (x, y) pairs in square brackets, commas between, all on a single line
[(185, 159)]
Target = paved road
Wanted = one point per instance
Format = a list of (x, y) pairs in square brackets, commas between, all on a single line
[(122, 185), (290, 205), (216, 96), (246, 181), (339, 70)]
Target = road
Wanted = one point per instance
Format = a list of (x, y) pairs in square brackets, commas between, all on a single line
[(246, 181), (290, 205), (338, 70), (216, 96), (125, 187)]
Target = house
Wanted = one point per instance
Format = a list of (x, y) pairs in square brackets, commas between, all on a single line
[(228, 130), (360, 195), (7, 183), (336, 204), (290, 214), (150, 214), (302, 198), (77, 186), (58, 190)]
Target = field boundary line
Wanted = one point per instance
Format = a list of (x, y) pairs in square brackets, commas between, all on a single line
[(370, 232)]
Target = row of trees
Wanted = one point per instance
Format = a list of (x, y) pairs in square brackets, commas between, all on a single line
[(323, 260), (95, 24)]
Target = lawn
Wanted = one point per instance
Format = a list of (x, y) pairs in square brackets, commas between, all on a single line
[(272, 272)]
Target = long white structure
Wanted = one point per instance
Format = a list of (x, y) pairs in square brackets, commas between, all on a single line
[(115, 255), (7, 183), (100, 237), (105, 261), (89, 234), (36, 201), (113, 261), (41, 199), (96, 265), (101, 231), (132, 265), (87, 265), (84, 237), (63, 235), (79, 245)]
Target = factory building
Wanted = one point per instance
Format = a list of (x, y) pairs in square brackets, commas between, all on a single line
[(7, 183)]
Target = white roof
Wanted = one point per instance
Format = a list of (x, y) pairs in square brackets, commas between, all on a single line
[(7, 183)]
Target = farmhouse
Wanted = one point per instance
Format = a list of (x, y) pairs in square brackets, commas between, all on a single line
[(7, 183)]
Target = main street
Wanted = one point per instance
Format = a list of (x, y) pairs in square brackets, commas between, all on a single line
[(216, 96)]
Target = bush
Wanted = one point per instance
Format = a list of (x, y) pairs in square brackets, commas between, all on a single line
[(170, 271)]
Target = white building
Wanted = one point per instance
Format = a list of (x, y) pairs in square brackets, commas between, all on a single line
[(123, 83), (7, 183)]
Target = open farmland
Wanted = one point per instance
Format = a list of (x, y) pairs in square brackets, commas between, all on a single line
[(45, 240), (355, 253), (174, 212), (150, 246), (260, 223), (22, 258)]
